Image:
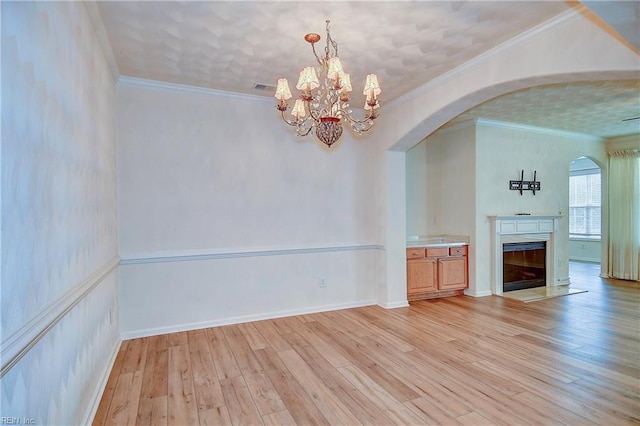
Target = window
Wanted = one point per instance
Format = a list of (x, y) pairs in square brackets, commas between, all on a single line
[(584, 202)]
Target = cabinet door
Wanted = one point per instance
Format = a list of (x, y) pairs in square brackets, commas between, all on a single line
[(421, 275), (452, 273)]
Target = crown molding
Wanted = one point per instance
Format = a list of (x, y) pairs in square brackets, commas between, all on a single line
[(547, 26), (540, 130), (184, 88)]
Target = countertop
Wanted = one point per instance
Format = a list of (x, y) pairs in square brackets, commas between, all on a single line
[(436, 241)]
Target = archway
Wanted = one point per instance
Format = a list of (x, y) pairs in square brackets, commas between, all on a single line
[(585, 210), (568, 51)]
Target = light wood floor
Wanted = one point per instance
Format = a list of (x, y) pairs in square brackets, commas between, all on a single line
[(571, 360)]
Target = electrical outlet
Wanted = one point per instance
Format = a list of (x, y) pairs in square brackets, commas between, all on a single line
[(323, 282)]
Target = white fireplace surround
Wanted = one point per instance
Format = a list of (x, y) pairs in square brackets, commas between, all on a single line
[(517, 229)]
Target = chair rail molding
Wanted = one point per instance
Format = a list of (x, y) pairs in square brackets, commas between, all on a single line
[(26, 337)]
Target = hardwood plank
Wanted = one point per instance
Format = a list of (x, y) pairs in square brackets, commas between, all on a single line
[(103, 408), (286, 325), (426, 377), (459, 360), (271, 335), (328, 403), (178, 339), (242, 410), (264, 394), (124, 406), (156, 368), (328, 352), (152, 411), (181, 404), (390, 406), (208, 391), (253, 336), (473, 419), (357, 354), (431, 412), (154, 381), (280, 418), (557, 412), (298, 403), (366, 411), (136, 356), (224, 361), (241, 350), (356, 320), (215, 416), (552, 394)]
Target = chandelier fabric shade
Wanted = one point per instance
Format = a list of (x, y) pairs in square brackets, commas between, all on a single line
[(298, 110), (282, 91), (308, 79), (323, 104), (335, 68), (371, 87)]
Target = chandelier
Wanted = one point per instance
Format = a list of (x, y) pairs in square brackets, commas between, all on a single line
[(323, 104)]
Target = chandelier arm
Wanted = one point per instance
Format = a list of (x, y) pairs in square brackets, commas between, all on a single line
[(289, 122), (305, 133), (361, 127), (363, 121), (368, 122), (313, 48)]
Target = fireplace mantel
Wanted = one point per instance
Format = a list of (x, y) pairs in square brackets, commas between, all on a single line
[(522, 228)]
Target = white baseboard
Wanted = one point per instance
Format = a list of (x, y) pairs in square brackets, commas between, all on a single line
[(483, 293), (394, 305), (134, 334), (99, 390)]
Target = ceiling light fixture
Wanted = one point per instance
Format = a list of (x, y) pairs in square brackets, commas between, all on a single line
[(326, 108)]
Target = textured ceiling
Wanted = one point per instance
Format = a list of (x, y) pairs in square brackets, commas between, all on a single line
[(593, 108), (232, 45)]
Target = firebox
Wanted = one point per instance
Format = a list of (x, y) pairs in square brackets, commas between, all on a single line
[(523, 265)]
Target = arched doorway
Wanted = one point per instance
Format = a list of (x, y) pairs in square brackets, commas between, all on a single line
[(549, 57), (585, 210)]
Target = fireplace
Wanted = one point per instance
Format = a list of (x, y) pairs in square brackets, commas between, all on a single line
[(523, 251), (523, 265)]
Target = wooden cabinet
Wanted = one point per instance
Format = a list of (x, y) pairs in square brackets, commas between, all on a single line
[(436, 272), (452, 273), (422, 275)]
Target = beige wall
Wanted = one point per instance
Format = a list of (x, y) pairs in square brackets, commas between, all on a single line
[(223, 222), (59, 242)]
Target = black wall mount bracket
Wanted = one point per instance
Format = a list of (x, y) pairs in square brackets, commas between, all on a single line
[(525, 185)]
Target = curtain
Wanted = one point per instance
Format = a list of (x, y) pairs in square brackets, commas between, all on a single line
[(624, 214)]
